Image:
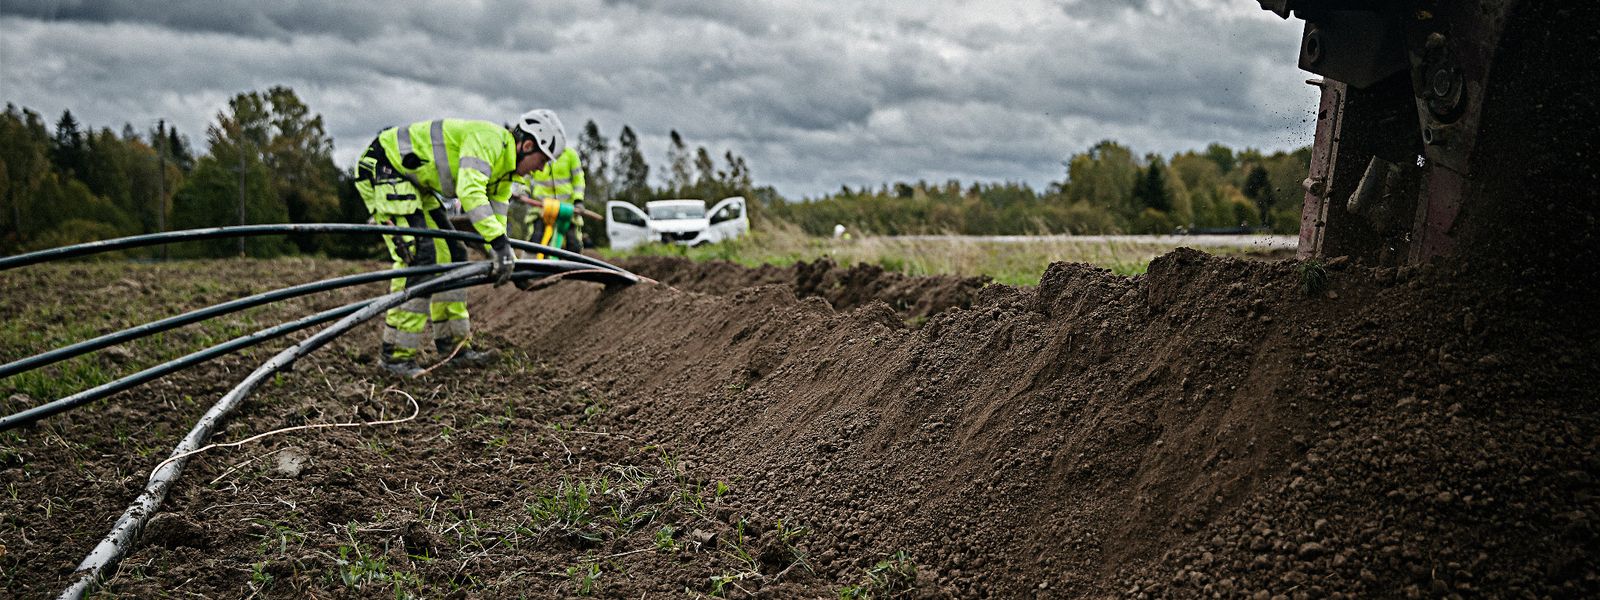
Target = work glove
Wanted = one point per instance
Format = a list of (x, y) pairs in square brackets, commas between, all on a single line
[(504, 261), (403, 248)]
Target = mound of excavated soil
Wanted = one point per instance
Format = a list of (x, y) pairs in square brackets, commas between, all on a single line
[(1209, 428), (844, 288)]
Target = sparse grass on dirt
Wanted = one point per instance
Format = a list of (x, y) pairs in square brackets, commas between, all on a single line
[(1010, 263), (122, 297), (518, 479), (888, 578), (1313, 276)]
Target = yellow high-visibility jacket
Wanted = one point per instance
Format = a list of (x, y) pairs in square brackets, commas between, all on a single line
[(474, 161), (561, 179)]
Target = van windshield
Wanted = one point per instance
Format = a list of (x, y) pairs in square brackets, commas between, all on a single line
[(668, 213)]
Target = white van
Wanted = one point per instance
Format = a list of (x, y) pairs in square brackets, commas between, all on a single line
[(683, 222)]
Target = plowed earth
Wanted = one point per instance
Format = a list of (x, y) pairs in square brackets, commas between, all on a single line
[(1215, 428)]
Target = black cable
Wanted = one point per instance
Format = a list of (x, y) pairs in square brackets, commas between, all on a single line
[(155, 372), (109, 552), (112, 339), (106, 389), (188, 235)]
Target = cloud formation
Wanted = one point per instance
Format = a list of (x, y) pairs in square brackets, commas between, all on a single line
[(814, 94)]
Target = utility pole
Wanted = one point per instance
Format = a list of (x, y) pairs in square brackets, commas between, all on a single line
[(241, 189), (161, 182)]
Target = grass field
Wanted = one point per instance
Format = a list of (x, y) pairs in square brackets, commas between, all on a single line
[(1010, 262)]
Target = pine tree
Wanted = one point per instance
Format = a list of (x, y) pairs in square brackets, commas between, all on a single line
[(1258, 187), (1150, 190), (633, 173), (177, 149), (705, 170), (596, 156), (25, 152), (737, 177), (67, 149), (108, 171), (678, 157)]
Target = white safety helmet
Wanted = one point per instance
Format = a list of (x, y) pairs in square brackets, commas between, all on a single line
[(542, 125)]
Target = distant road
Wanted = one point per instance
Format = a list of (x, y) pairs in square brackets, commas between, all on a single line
[(1265, 242)]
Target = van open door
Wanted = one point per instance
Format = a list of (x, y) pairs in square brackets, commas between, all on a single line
[(729, 220), (626, 225)]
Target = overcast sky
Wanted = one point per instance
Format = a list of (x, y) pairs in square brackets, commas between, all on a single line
[(813, 93)]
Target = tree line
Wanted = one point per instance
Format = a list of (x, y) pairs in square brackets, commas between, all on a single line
[(619, 171), (1106, 189), (268, 159), (622, 173)]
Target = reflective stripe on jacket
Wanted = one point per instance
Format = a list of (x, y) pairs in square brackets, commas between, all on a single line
[(473, 161), (561, 179)]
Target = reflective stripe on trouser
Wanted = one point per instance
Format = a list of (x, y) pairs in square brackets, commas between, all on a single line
[(404, 325), (448, 310)]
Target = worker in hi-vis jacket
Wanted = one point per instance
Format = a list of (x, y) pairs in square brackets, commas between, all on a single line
[(401, 178)]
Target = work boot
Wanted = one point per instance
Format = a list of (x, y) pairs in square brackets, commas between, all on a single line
[(398, 361), (406, 369), (467, 356)]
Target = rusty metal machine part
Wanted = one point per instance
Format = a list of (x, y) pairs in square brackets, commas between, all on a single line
[(1403, 87)]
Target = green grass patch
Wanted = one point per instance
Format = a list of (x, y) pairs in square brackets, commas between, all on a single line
[(1010, 263)]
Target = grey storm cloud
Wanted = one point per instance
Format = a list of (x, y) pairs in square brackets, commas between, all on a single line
[(814, 94)]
